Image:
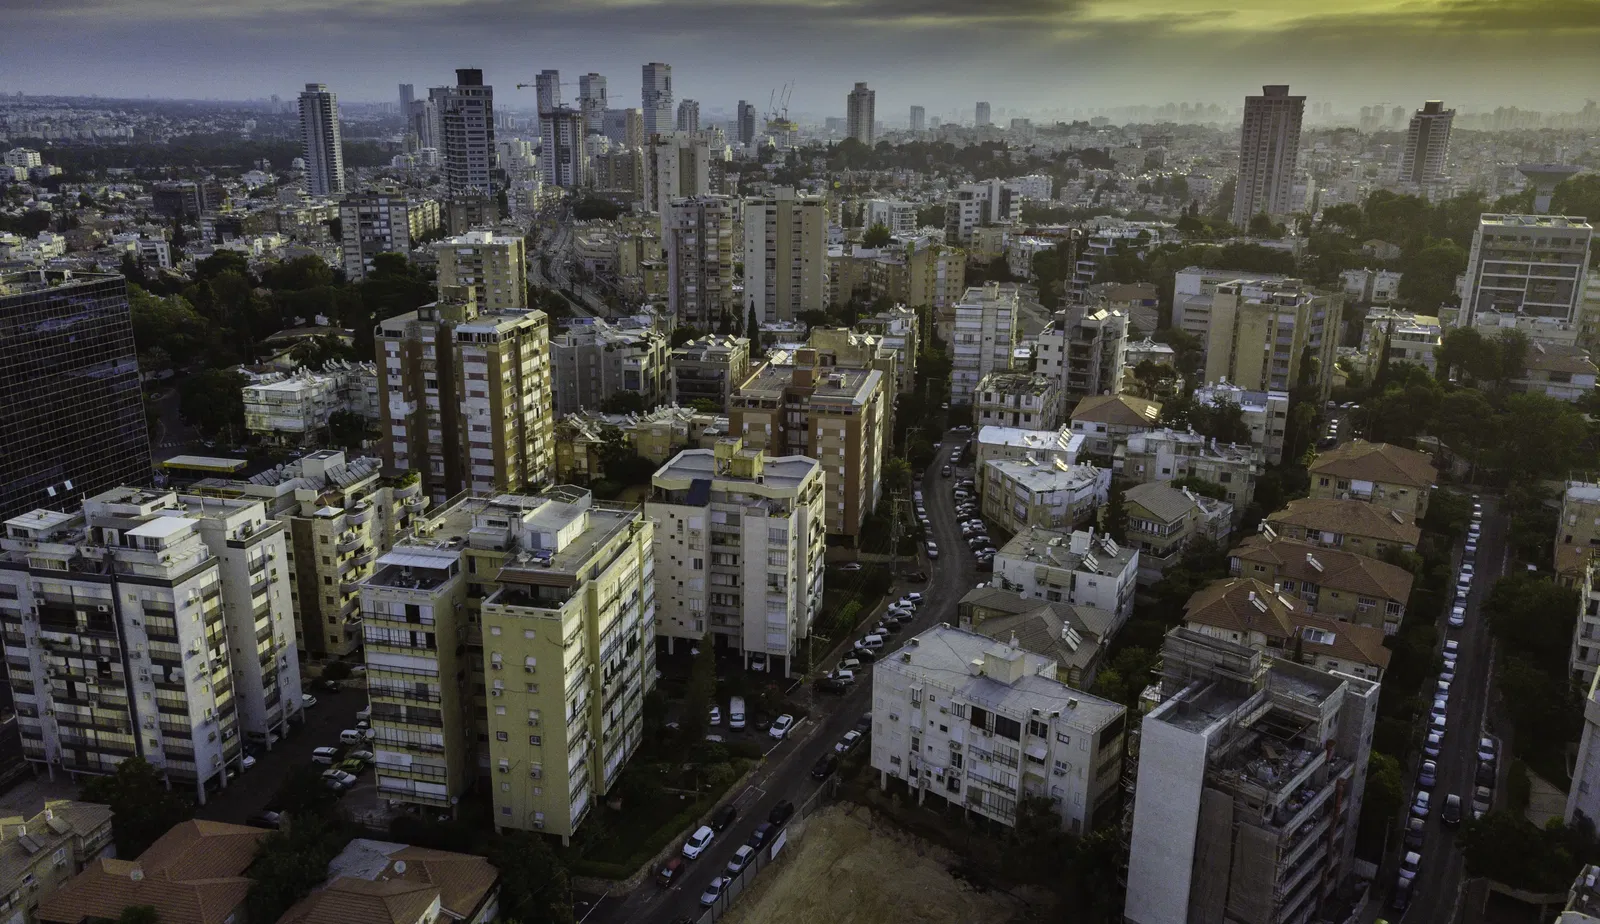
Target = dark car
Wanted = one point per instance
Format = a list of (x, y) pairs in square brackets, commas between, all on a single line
[(724, 816), (758, 839), (781, 813), (864, 724), (332, 686), (1485, 775), (831, 686), (265, 820), (1452, 810), (865, 654), (825, 767), (1402, 896), (1416, 828), (670, 872)]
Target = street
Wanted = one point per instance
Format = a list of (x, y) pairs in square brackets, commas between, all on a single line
[(1439, 881), (787, 774)]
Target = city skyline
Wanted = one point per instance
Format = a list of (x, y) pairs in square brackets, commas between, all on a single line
[(1061, 54)]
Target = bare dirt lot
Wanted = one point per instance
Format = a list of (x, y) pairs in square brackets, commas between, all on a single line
[(851, 868)]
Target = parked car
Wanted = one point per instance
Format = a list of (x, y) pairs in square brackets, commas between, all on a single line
[(723, 817), (265, 820), (864, 724), (1432, 745), (1486, 750), (1402, 896), (1416, 828), (332, 686), (831, 686), (1458, 616), (352, 767), (758, 837), (933, 550), (1485, 775), (781, 813), (1451, 647), (713, 891), (781, 725), (670, 872), (945, 471), (844, 675), (848, 742), (360, 754), (338, 779), (913, 596), (1482, 799), (714, 715), (307, 700), (1451, 813), (1428, 775), (1409, 864), (324, 756), (698, 842), (825, 766), (741, 859), (1421, 806), (246, 763)]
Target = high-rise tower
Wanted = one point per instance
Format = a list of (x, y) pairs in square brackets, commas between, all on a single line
[(747, 122), (1269, 146), (919, 118), (592, 101), (656, 98), (859, 112), (466, 123), (1427, 143), (319, 137)]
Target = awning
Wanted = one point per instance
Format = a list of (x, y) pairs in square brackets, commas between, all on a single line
[(1037, 751)]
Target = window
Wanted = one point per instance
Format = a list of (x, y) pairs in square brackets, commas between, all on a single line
[(536, 740), (1038, 729), (501, 736)]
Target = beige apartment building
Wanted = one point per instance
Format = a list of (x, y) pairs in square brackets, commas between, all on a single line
[(493, 263), (785, 255), (915, 271), (466, 395), (1106, 421), (708, 368), (1246, 611), (1028, 400), (1351, 525), (1261, 334), (697, 241), (1387, 476), (1163, 521), (838, 416), (739, 545), (38, 854), (1343, 585)]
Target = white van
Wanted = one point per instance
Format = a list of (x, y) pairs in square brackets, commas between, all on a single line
[(736, 712), (350, 736), (872, 642)]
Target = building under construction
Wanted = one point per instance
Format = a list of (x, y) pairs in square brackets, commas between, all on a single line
[(1250, 780)]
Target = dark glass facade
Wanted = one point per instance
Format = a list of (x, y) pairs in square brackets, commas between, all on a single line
[(71, 409)]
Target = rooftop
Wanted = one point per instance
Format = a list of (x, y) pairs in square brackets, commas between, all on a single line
[(785, 473), (1535, 221), (1118, 411), (1162, 500), (1061, 440), (1349, 518), (1082, 550), (1246, 605), (378, 882), (1324, 567), (1383, 462), (1017, 383), (1053, 475)]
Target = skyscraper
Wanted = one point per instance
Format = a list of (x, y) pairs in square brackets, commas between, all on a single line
[(70, 405), (547, 86), (859, 110), (319, 138), (592, 101), (747, 122), (919, 118), (689, 116), (981, 115), (1269, 146), (1427, 143), (697, 241), (655, 98), (563, 157), (408, 94), (676, 166), (785, 256), (466, 122)]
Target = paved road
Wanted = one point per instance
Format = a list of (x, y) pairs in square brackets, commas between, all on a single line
[(1440, 879), (248, 794), (787, 774)]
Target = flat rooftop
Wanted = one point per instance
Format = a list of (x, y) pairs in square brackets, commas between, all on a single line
[(1197, 708), (22, 283), (782, 472), (1577, 222)]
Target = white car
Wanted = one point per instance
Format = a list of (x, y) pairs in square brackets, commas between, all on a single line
[(933, 551), (781, 725), (848, 742), (246, 762), (741, 859), (324, 756), (713, 891), (1458, 616), (338, 778), (307, 700), (714, 716), (698, 842), (1409, 866), (1420, 807), (914, 597), (1451, 646)]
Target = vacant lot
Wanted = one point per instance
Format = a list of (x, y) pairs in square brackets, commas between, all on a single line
[(850, 868)]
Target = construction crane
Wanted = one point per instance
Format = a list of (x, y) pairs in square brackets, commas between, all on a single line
[(778, 121)]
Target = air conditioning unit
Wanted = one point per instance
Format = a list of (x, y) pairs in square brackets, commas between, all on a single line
[(102, 608), (527, 668), (505, 769), (536, 773), (538, 824), (494, 692), (955, 746), (1059, 772), (496, 665)]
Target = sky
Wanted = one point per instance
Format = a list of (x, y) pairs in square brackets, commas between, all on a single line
[(1023, 56)]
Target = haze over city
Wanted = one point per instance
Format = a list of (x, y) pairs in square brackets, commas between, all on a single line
[(1024, 54)]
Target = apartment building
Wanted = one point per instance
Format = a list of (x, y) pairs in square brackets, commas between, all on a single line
[(592, 360), (739, 542), (1081, 567), (1349, 587), (1084, 348), (914, 270), (1027, 400), (381, 221), (493, 262), (1250, 782), (1269, 148), (1400, 336), (1526, 272), (1578, 531), (1556, 370), (381, 882), (40, 853), (974, 205), (1266, 413), (898, 329), (1351, 525), (1583, 798), (709, 368), (983, 725), (295, 407), (785, 255), (1194, 289), (1018, 493), (838, 416), (340, 515), (466, 396), (899, 216), (1168, 455), (193, 874), (1106, 421), (1075, 637), (983, 339), (697, 240), (1388, 476), (1584, 660), (857, 350), (1164, 521), (1261, 335), (148, 625), (1248, 612), (1018, 443)]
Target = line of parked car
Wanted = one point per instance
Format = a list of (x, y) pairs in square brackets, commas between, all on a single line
[(842, 677), (1433, 745)]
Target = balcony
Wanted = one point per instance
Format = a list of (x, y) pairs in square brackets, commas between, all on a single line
[(349, 543)]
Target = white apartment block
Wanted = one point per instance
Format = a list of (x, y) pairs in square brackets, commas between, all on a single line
[(1030, 400), (975, 205), (1079, 567), (739, 542), (785, 255), (993, 442), (983, 725), (292, 407), (23, 157), (1403, 336), (1250, 783), (593, 360), (1168, 455), (1370, 286), (984, 338), (1527, 272), (1030, 491), (1084, 349), (1584, 660), (1266, 413), (150, 625), (1584, 796), (899, 216)]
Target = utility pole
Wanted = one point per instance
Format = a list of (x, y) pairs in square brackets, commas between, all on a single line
[(901, 513)]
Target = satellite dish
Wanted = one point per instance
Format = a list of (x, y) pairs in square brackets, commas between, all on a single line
[(399, 867), (136, 874)]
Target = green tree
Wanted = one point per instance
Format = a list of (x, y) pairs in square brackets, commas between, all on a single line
[(624, 402), (534, 886), (142, 807), (170, 325), (212, 401), (701, 689), (1115, 522), (1429, 278), (292, 862), (682, 335), (1386, 790), (877, 236), (1261, 225), (752, 328)]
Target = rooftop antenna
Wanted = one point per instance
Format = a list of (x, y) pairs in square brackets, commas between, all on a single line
[(1545, 178)]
